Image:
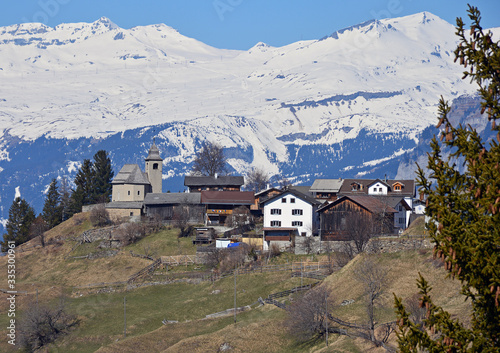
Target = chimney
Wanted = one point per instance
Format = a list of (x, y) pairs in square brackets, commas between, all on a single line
[(215, 175)]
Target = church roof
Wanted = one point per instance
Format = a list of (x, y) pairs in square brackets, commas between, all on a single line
[(154, 154), (131, 174)]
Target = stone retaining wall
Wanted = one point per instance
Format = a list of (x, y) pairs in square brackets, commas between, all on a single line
[(385, 245)]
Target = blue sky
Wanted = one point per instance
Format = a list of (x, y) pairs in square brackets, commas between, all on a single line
[(239, 24)]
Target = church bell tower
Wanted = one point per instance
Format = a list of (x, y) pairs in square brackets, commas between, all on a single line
[(154, 166)]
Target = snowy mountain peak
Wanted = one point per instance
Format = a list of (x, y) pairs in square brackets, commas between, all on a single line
[(260, 47), (24, 29), (105, 22)]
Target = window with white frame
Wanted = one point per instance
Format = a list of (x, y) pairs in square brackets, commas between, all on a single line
[(275, 223), (292, 199), (283, 200), (297, 212), (297, 224)]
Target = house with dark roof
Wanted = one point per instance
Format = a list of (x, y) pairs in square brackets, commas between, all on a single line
[(221, 204), (377, 187), (287, 215), (199, 183), (174, 207), (338, 218)]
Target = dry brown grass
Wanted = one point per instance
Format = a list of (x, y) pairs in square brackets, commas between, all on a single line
[(261, 330), (208, 336), (417, 227)]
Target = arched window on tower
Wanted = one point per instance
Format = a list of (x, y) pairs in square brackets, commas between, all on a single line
[(155, 165)]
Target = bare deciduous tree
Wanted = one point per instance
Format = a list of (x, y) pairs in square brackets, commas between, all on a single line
[(239, 217), (130, 233), (308, 245), (38, 229), (307, 316), (256, 180), (99, 216), (417, 313), (41, 325), (358, 232), (210, 160), (373, 278), (181, 220)]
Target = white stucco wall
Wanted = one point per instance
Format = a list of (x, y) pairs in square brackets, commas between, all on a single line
[(128, 192), (375, 189), (308, 217)]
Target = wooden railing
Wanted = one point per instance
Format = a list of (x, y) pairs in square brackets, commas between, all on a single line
[(178, 260), (146, 270)]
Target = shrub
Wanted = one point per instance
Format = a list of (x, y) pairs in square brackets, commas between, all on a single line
[(99, 216)]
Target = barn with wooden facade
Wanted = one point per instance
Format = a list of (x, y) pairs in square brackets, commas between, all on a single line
[(172, 206), (221, 204), (336, 217), (200, 183)]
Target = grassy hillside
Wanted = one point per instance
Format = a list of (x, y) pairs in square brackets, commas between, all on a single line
[(55, 274)]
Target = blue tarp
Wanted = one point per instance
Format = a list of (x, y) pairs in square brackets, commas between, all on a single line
[(233, 245)]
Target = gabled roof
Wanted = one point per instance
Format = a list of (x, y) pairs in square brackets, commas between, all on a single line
[(266, 191), (372, 204), (131, 174), (393, 201), (378, 181), (296, 193), (227, 197), (303, 189), (193, 180), (326, 185), (174, 198), (408, 189)]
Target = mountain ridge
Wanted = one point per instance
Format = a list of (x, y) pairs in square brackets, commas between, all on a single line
[(350, 106)]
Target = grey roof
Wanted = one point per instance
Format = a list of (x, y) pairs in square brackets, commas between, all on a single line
[(302, 189), (174, 198), (296, 193), (393, 201), (131, 174), (326, 185), (191, 180), (154, 154), (125, 204)]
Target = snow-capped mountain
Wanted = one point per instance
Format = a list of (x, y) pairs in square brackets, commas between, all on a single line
[(348, 104)]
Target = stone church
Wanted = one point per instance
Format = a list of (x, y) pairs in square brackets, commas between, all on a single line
[(131, 185)]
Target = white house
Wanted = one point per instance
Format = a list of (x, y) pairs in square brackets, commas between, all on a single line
[(378, 187), (287, 215)]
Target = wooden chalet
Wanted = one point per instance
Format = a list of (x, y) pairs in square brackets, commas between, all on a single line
[(326, 189), (336, 221), (196, 183), (220, 204)]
